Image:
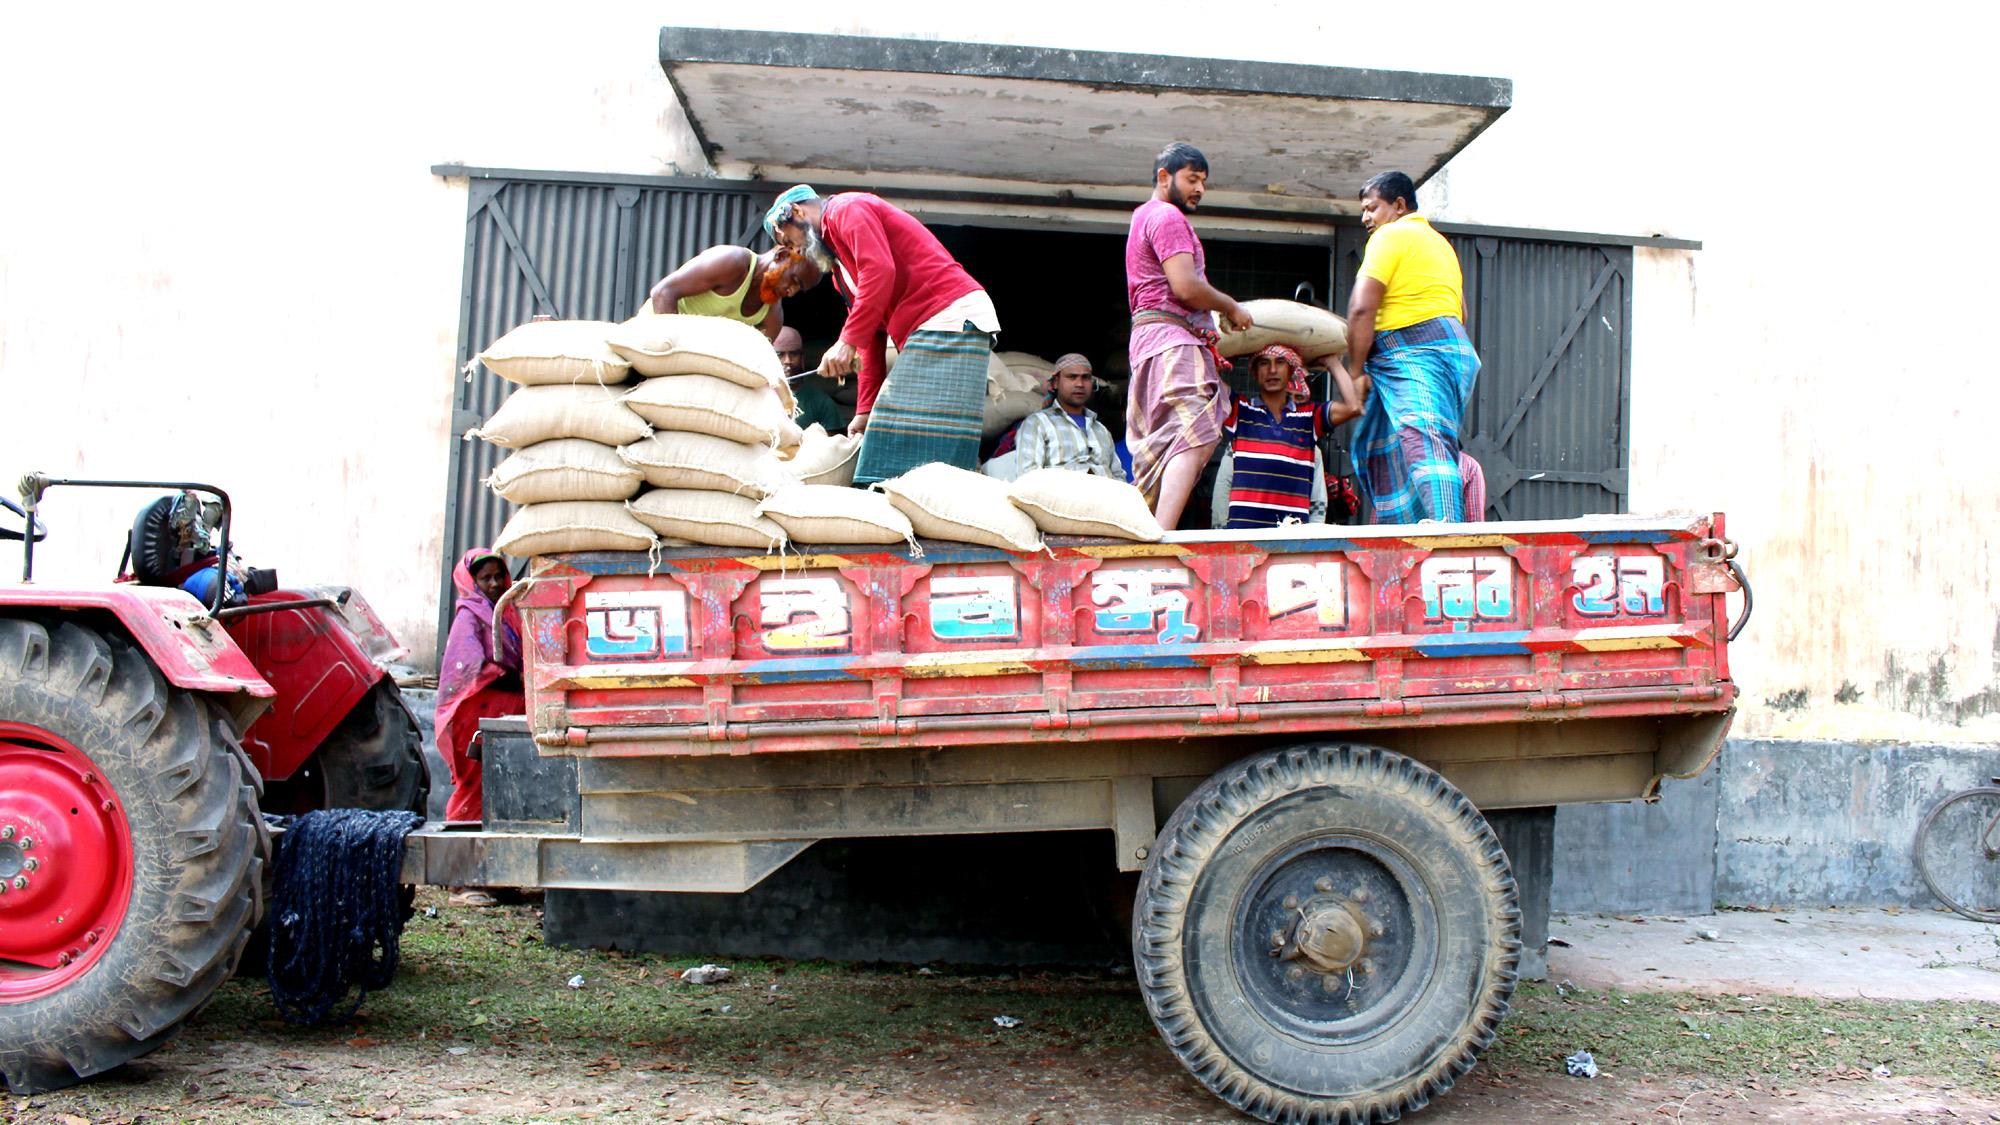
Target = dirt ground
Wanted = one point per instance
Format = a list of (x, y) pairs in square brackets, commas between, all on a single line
[(483, 1022)]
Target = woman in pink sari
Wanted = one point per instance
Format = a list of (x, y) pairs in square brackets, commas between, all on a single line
[(475, 680)]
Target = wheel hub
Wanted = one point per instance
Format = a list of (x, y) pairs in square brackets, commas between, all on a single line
[(65, 862), (1330, 935)]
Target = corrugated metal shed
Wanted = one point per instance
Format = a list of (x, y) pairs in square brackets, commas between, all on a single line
[(575, 251)]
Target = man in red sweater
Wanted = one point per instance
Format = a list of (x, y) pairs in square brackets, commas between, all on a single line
[(900, 284)]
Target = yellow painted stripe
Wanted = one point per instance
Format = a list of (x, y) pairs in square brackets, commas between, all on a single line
[(1309, 651), (1137, 551), (596, 681), (1628, 638), (794, 562), (1442, 542), (1003, 662)]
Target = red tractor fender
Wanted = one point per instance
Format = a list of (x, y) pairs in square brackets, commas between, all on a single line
[(323, 660), (189, 647)]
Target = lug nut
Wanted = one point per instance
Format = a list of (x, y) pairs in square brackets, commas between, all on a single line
[(1291, 902), (1332, 983), (6, 831), (91, 937), (1323, 884), (20, 882), (1277, 937), (64, 958), (1366, 966), (107, 806), (1360, 894), (1375, 929), (27, 843), (1295, 974), (32, 865)]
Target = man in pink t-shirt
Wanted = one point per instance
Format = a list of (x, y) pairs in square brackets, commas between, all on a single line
[(1174, 416)]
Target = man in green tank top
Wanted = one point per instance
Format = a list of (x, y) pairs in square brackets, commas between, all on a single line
[(737, 283)]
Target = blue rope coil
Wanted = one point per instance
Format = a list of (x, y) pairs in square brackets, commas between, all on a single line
[(336, 911)]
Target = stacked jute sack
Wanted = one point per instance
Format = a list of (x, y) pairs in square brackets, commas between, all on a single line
[(607, 462), (700, 448)]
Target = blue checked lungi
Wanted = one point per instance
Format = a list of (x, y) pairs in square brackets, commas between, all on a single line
[(931, 408), (1406, 444)]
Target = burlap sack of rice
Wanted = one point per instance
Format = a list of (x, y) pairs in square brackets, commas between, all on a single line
[(1066, 502), (532, 415), (829, 514), (824, 458), (573, 525), (564, 469), (1314, 332), (945, 502), (706, 462), (541, 352), (1011, 395), (718, 519), (673, 344), (704, 404)]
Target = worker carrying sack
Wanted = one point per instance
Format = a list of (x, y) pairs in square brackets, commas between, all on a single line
[(564, 469), (674, 344), (542, 352), (718, 519), (704, 404), (946, 502), (573, 525), (1315, 333), (533, 415), (1066, 502), (827, 514), (703, 461)]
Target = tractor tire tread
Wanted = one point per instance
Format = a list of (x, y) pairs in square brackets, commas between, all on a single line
[(191, 907)]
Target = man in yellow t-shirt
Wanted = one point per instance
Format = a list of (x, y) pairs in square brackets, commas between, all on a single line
[(1409, 354)]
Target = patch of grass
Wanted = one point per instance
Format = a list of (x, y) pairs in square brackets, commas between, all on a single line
[(1782, 1039), (486, 977)]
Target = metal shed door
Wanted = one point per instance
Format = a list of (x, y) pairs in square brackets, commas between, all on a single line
[(1551, 321), (574, 251)]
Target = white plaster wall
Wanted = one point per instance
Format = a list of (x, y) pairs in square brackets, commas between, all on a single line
[(226, 258)]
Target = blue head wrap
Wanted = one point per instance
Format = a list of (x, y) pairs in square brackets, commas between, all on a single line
[(781, 209)]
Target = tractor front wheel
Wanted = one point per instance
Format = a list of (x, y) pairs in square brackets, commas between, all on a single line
[(132, 849)]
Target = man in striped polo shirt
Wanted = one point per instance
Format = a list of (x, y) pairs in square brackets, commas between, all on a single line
[(1276, 433)]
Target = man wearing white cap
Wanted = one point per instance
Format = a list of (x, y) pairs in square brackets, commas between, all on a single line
[(1067, 434), (901, 284)]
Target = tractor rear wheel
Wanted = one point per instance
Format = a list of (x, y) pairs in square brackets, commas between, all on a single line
[(375, 758), (133, 847)]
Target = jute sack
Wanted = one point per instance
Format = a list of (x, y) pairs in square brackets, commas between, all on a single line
[(825, 458), (704, 404), (1066, 502), (1315, 332), (703, 461), (946, 502), (556, 351), (824, 513), (585, 410), (673, 344), (564, 469), (718, 519), (573, 525)]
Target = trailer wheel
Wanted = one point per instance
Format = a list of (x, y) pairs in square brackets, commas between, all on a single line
[(375, 758), (134, 860), (1327, 933)]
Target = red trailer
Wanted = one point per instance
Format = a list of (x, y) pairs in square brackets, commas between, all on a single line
[(1292, 734)]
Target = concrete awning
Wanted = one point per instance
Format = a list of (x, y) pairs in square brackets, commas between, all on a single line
[(1280, 137)]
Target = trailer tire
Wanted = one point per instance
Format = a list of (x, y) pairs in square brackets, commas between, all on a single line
[(1285, 865), (375, 758), (158, 801)]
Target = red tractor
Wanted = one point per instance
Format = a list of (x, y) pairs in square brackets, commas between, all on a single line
[(143, 733)]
